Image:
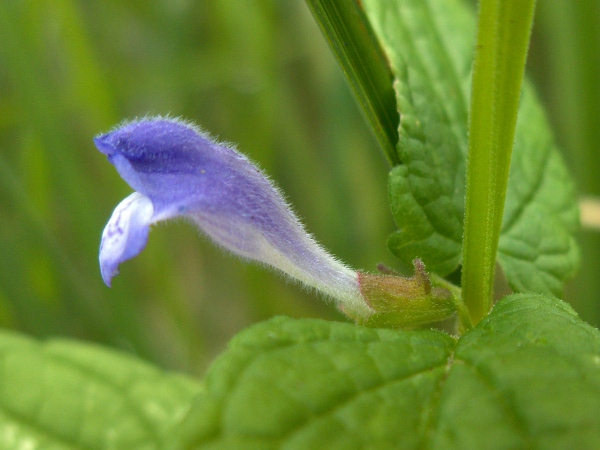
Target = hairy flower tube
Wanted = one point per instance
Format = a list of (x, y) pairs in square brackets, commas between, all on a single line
[(179, 171)]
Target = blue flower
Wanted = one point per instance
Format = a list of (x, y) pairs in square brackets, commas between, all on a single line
[(179, 171)]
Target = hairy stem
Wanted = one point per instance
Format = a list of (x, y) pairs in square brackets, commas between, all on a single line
[(502, 42)]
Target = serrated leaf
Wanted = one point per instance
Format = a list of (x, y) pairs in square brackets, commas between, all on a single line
[(517, 382), (430, 48), (68, 395), (537, 247), (317, 384), (512, 382)]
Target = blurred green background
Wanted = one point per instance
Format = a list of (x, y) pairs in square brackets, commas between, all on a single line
[(254, 72)]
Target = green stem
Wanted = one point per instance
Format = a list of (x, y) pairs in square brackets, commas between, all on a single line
[(349, 34), (501, 51)]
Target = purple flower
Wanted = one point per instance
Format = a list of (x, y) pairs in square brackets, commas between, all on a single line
[(177, 170)]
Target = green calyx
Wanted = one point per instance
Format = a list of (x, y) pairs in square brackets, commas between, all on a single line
[(405, 302)]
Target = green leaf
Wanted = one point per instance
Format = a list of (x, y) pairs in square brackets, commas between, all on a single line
[(317, 384), (67, 395), (537, 247), (430, 47), (512, 382), (527, 376)]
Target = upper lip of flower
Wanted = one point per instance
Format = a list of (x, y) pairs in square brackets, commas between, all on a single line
[(102, 145)]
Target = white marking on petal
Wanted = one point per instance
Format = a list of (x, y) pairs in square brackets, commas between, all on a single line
[(125, 234)]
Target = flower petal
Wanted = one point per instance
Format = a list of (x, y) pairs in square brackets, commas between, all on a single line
[(125, 234)]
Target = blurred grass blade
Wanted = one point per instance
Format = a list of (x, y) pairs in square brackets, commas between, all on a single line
[(356, 48), (571, 37), (502, 42)]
